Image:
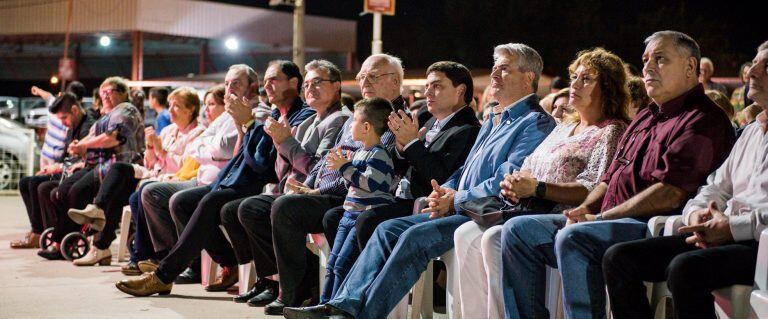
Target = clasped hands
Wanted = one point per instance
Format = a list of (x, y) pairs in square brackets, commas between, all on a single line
[(518, 185), (440, 201), (709, 227)]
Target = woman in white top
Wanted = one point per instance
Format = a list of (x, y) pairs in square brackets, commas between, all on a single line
[(563, 169)]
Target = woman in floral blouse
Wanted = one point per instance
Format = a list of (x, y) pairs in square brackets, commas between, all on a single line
[(563, 169)]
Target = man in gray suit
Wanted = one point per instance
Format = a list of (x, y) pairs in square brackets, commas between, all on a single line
[(247, 221)]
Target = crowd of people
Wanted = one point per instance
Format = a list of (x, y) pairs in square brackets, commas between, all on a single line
[(509, 187)]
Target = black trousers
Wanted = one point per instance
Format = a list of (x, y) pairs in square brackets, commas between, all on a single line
[(691, 274), (113, 194), (368, 220), (28, 188), (248, 225), (77, 191), (293, 217), (47, 208), (198, 210)]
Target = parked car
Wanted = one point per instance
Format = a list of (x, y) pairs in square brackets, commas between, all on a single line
[(10, 108), (17, 147)]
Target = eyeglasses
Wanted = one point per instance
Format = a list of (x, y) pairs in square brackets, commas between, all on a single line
[(315, 83), (106, 92), (373, 78), (586, 79)]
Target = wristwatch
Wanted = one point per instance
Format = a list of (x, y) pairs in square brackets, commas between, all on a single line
[(599, 217), (541, 189)]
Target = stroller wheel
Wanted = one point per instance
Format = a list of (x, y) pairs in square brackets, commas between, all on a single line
[(46, 238), (74, 246)]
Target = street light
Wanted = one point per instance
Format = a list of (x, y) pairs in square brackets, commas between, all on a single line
[(54, 79), (105, 41), (232, 44)]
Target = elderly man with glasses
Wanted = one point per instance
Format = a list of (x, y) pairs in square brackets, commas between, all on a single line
[(295, 215), (247, 220)]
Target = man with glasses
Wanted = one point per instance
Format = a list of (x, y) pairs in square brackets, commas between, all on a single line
[(295, 215), (247, 220), (401, 248), (244, 175), (666, 154)]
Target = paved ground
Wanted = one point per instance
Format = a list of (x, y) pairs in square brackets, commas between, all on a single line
[(31, 287)]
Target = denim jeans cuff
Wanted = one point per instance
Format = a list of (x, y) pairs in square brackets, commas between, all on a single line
[(350, 306)]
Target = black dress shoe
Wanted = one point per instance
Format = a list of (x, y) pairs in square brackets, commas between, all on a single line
[(315, 312), (274, 308), (257, 289), (52, 253), (265, 297), (189, 276)]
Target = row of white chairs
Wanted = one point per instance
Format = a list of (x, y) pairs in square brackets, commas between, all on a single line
[(735, 302)]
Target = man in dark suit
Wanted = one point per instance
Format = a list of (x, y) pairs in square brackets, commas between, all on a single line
[(435, 151)]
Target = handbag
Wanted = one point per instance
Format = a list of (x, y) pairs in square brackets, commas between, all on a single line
[(495, 210)]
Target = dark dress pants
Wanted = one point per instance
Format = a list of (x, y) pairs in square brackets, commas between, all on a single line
[(117, 187), (249, 227), (199, 212), (691, 274), (76, 191), (368, 220), (293, 217), (28, 186)]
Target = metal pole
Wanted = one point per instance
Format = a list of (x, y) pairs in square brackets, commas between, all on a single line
[(137, 64), (376, 44), (298, 34), (66, 38)]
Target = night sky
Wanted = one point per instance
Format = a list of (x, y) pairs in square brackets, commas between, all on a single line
[(466, 31)]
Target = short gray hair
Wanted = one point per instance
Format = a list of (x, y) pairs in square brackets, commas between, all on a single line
[(763, 46), (391, 60), (528, 60), (686, 46), (253, 77), (324, 65)]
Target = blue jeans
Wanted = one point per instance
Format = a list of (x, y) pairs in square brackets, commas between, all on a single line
[(142, 243), (343, 256), (392, 262), (530, 243)]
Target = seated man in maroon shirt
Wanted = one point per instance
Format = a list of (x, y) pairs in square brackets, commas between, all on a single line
[(665, 155)]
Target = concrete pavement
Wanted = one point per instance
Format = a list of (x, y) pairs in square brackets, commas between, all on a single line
[(31, 287)]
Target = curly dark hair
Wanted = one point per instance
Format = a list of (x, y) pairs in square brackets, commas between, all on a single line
[(612, 79)]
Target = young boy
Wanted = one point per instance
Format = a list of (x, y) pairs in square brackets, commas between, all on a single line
[(369, 176)]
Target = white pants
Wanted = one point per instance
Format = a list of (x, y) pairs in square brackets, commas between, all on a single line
[(478, 261)]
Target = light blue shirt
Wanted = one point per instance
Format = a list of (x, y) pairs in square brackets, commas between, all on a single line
[(500, 149)]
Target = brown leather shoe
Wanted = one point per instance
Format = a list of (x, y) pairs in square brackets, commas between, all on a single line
[(226, 279), (146, 285), (31, 240)]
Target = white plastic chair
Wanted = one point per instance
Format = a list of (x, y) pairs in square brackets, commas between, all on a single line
[(208, 269), (246, 277), (759, 297), (123, 251)]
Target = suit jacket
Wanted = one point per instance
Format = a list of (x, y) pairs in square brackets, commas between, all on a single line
[(252, 166), (296, 159), (445, 154)]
